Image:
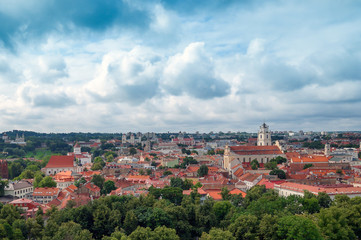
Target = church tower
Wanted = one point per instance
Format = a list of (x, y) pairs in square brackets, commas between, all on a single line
[(327, 149), (264, 136)]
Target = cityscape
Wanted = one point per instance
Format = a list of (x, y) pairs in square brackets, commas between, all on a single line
[(180, 120), (314, 172)]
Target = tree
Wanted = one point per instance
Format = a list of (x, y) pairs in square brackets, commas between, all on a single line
[(38, 176), (47, 182), (34, 229), (110, 158), (167, 173), (308, 165), (245, 227), (297, 227), (271, 165), (98, 180), (173, 194), (202, 171), (254, 164), (333, 223), (164, 233), (217, 234), (132, 151), (176, 182), (108, 186), (280, 173), (268, 227), (141, 233), (3, 184), (221, 209), (225, 193), (72, 230), (130, 222), (324, 200)]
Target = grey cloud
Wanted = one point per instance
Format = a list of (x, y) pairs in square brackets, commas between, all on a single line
[(67, 16), (59, 100)]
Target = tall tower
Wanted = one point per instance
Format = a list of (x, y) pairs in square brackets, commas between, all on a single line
[(264, 136), (327, 149)]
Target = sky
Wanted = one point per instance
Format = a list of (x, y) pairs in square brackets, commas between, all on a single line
[(180, 65)]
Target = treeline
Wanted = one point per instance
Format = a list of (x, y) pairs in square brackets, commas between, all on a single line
[(262, 214)]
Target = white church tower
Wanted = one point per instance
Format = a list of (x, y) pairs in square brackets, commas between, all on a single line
[(264, 136)]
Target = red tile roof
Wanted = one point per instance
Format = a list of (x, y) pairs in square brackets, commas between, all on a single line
[(46, 191), (256, 150), (310, 159), (60, 162)]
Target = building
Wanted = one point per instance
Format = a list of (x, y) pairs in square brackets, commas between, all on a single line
[(24, 204), (21, 189), (264, 136), (288, 188), (45, 195), (238, 155), (64, 179), (59, 164), (4, 171)]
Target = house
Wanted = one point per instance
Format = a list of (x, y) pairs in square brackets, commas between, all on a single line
[(24, 204), (64, 179), (45, 195), (250, 179), (89, 188), (288, 188), (20, 189), (59, 164), (28, 207), (82, 157)]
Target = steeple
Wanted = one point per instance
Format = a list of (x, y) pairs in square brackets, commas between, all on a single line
[(264, 136)]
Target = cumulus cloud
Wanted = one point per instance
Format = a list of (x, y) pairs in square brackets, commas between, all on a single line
[(192, 73), (126, 77), (179, 65)]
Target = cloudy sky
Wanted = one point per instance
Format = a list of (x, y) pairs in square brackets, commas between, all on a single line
[(132, 65)]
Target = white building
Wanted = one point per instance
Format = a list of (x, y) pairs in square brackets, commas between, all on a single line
[(264, 136), (21, 189)]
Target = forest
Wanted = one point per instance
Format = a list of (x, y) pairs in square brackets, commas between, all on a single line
[(168, 214)]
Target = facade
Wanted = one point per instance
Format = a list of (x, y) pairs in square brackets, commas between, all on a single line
[(21, 189), (264, 136), (238, 155), (64, 179), (45, 195), (288, 188)]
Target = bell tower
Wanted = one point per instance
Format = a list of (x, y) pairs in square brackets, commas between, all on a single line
[(264, 136)]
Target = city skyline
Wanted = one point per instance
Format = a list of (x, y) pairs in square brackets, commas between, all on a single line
[(159, 66)]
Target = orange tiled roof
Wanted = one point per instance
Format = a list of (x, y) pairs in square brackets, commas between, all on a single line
[(60, 162), (311, 159), (215, 195), (256, 150), (249, 177), (46, 191)]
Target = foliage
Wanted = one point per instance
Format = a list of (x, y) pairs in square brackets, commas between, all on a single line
[(202, 171), (314, 145), (280, 173), (254, 164), (308, 165), (168, 214), (47, 182)]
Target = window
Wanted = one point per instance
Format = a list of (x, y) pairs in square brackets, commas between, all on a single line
[(244, 160)]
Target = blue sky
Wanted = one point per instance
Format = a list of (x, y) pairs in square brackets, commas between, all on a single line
[(131, 65)]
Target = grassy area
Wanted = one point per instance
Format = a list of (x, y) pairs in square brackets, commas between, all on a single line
[(39, 154)]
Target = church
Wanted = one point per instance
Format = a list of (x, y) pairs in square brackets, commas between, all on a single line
[(235, 156)]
